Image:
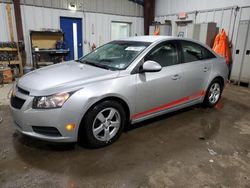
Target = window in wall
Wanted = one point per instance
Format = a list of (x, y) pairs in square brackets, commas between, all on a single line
[(120, 30), (165, 54)]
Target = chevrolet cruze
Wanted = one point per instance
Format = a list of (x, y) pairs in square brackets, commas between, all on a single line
[(123, 82)]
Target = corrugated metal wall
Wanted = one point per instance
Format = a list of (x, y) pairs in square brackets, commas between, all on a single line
[(4, 27), (164, 7), (118, 7), (96, 26)]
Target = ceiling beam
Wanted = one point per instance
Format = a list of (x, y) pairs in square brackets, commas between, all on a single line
[(19, 26)]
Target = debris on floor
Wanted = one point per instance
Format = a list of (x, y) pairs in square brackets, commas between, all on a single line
[(211, 152), (244, 126), (4, 100)]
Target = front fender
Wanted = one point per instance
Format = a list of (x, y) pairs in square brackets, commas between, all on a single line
[(123, 88)]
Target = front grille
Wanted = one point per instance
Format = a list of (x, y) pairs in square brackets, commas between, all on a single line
[(47, 131), (18, 125), (16, 102), (23, 91)]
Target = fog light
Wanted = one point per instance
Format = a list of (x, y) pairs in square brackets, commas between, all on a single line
[(70, 127)]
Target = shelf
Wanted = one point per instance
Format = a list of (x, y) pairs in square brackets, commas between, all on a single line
[(15, 62), (183, 21), (56, 32), (45, 62), (51, 51), (8, 49)]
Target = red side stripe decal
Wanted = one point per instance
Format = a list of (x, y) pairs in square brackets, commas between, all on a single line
[(169, 105), (197, 95)]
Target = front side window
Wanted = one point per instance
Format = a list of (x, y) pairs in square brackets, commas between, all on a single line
[(165, 54), (116, 55), (194, 52)]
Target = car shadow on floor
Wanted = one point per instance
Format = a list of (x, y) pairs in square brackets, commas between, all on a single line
[(41, 144), (160, 117)]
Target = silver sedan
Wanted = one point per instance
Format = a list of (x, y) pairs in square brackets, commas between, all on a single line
[(92, 99)]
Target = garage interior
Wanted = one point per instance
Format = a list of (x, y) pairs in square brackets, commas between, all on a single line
[(192, 147)]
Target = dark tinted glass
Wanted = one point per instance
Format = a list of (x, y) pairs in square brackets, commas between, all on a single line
[(165, 54), (207, 54), (194, 52)]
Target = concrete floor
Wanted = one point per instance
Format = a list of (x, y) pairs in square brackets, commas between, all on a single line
[(5, 91), (195, 147)]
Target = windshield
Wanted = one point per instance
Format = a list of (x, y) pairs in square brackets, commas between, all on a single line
[(116, 55)]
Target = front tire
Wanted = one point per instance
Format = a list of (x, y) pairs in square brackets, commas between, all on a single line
[(213, 94), (102, 124)]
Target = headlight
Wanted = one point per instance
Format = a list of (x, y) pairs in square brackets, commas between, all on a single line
[(52, 101)]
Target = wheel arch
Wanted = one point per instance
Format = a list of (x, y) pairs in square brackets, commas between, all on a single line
[(221, 79), (111, 98)]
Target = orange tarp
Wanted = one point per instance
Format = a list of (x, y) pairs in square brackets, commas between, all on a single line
[(157, 30), (221, 46)]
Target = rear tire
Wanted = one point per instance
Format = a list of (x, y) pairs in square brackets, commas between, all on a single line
[(102, 124), (213, 93)]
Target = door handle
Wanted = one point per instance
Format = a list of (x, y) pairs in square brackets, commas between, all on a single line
[(205, 69), (247, 52), (176, 77)]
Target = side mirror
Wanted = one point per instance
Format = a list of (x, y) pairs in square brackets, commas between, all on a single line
[(150, 66)]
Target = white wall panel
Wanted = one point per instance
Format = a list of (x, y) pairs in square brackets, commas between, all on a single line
[(164, 7), (245, 14), (4, 25), (210, 16)]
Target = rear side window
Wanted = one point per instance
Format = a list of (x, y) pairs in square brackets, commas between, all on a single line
[(164, 54), (194, 52), (207, 54)]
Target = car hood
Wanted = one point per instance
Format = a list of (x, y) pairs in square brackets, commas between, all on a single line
[(63, 77)]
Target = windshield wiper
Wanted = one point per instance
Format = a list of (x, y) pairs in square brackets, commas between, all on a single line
[(97, 65), (106, 60)]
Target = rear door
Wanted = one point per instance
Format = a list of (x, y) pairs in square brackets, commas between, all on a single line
[(158, 91), (196, 62)]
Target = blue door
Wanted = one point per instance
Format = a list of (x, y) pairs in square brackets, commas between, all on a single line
[(72, 28)]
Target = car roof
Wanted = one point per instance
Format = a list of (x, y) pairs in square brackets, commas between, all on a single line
[(159, 38), (147, 38)]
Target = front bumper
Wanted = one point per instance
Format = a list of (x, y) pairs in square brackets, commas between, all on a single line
[(26, 118)]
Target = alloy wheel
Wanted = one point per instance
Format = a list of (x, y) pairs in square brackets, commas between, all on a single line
[(106, 124), (214, 93)]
